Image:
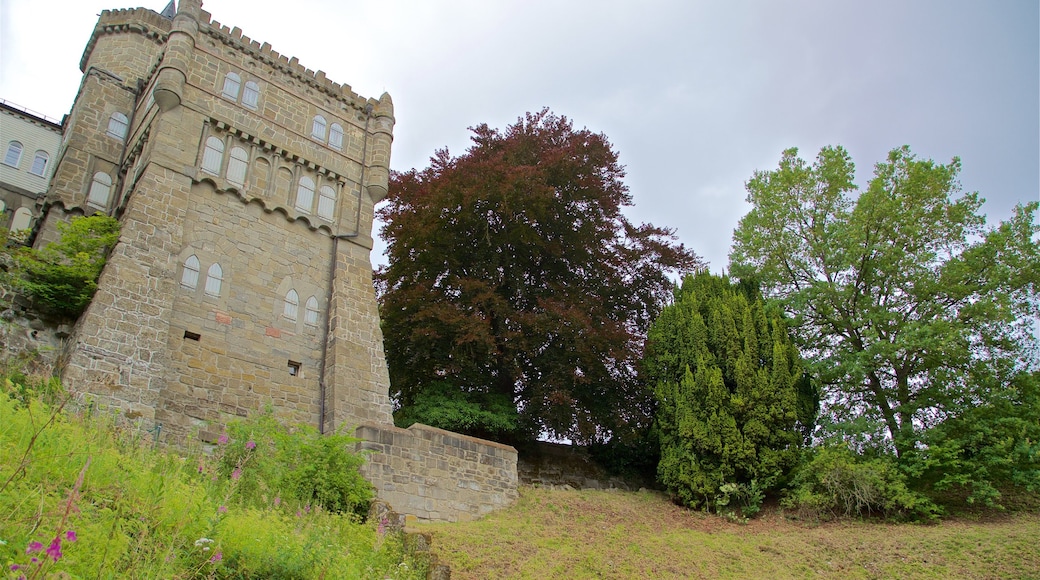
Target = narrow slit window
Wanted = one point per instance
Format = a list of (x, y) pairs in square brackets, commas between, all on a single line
[(318, 128), (305, 195), (327, 202), (100, 190), (294, 368), (232, 82), (251, 95), (39, 163), (118, 125), (310, 313), (14, 154), (292, 305), (213, 156), (214, 279), (189, 335), (238, 161), (190, 275), (336, 136)]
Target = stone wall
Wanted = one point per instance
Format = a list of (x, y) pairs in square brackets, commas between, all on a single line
[(555, 465), (438, 475)]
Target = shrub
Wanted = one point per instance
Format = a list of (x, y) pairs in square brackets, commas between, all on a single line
[(484, 415), (832, 481)]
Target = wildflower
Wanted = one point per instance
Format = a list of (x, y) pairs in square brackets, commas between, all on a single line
[(250, 445), (222, 509), (14, 567), (202, 542), (217, 557), (33, 547), (70, 536), (237, 473), (54, 550), (223, 439), (277, 501)]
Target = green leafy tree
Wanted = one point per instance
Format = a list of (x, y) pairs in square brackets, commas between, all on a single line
[(62, 277), (515, 278), (911, 310), (734, 402)]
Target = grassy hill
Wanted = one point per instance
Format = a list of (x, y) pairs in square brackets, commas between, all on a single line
[(609, 534)]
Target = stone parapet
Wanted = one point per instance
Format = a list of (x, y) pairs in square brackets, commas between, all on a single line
[(438, 475)]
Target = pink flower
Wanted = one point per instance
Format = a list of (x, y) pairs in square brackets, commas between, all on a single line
[(217, 557), (14, 567), (222, 509), (223, 439), (54, 550), (237, 473), (277, 501), (33, 547), (70, 536), (250, 445)]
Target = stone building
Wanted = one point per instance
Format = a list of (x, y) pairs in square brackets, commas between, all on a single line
[(245, 185), (30, 141)]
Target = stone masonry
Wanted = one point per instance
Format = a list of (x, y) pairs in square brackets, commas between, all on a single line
[(245, 185)]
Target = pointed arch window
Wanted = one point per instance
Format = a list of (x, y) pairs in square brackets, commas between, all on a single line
[(14, 154), (251, 95), (238, 161), (292, 305), (214, 279), (39, 163), (305, 195), (232, 82), (213, 156), (318, 128), (336, 136), (327, 202), (190, 275), (100, 190), (118, 125), (310, 312)]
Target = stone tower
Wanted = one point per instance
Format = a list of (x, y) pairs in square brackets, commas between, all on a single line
[(245, 185)]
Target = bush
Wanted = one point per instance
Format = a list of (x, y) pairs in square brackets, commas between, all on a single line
[(62, 277), (832, 481), (483, 415)]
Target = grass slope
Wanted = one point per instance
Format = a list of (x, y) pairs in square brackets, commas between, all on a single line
[(604, 534)]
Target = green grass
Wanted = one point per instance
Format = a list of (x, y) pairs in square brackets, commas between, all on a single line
[(135, 512), (604, 534)]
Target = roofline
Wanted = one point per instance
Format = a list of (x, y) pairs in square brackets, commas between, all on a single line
[(36, 116)]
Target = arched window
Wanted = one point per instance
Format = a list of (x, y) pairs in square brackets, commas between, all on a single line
[(251, 95), (213, 156), (14, 154), (310, 313), (117, 125), (100, 190), (39, 163), (305, 195), (190, 276), (238, 161), (292, 305), (232, 82), (327, 202), (336, 136), (214, 277), (22, 219), (318, 128)]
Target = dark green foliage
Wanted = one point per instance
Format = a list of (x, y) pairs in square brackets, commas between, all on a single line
[(734, 404), (832, 481), (479, 414), (61, 278), (295, 463)]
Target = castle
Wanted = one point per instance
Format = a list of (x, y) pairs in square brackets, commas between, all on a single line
[(245, 185)]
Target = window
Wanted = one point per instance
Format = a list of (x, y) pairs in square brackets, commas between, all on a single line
[(327, 202), (117, 125), (213, 156), (251, 95), (189, 335), (318, 128), (294, 368), (310, 313), (14, 154), (100, 190), (39, 163), (190, 276), (292, 305), (305, 195), (232, 82), (22, 220), (214, 277), (238, 160), (336, 136)]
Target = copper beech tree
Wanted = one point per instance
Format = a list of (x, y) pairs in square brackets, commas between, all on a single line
[(518, 295)]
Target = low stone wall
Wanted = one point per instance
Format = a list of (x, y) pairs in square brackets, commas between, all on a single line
[(556, 465), (438, 475)]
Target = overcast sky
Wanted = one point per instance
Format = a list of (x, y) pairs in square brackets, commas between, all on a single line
[(694, 96)]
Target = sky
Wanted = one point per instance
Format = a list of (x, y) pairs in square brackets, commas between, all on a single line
[(694, 96)]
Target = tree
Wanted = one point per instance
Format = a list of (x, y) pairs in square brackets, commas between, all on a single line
[(515, 278), (734, 402), (911, 310)]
